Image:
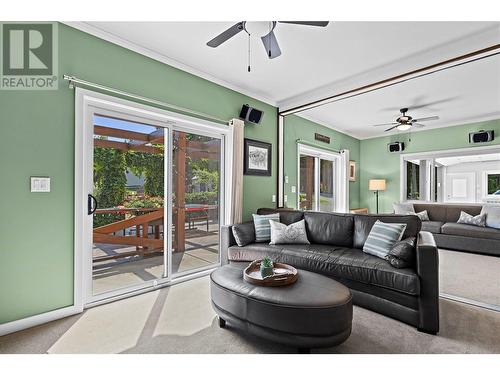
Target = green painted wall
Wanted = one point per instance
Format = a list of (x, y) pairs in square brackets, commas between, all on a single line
[(377, 162), (299, 128), (37, 134)]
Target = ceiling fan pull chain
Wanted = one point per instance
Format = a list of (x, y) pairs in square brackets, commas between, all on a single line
[(248, 52), (269, 41)]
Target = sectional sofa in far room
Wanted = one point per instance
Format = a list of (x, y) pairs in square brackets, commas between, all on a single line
[(451, 235)]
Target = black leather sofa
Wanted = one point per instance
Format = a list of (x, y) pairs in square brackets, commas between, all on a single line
[(449, 234), (409, 294)]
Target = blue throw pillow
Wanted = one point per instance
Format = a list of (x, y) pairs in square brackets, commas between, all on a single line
[(382, 238), (262, 226)]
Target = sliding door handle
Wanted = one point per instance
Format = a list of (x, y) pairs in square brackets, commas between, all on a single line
[(91, 210)]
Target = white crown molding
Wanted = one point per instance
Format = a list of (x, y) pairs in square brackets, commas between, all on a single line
[(115, 39)]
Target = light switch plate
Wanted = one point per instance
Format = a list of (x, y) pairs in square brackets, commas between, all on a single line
[(40, 184), (293, 189), (285, 198), (274, 198), (286, 179)]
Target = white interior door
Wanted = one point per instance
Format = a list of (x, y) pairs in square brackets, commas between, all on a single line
[(460, 187)]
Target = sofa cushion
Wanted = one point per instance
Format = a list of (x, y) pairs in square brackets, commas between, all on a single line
[(331, 229), (403, 208), (364, 223), (287, 216), (244, 233), (336, 262), (293, 233), (382, 237), (470, 231), (492, 216), (403, 253), (262, 226), (432, 226)]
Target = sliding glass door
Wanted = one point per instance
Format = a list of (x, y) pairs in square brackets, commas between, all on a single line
[(318, 190), (196, 201), (128, 203), (153, 200)]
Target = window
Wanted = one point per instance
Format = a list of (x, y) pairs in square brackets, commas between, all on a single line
[(493, 183)]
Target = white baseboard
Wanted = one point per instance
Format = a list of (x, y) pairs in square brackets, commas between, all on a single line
[(19, 325)]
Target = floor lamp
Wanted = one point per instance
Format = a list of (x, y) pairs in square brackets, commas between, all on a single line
[(376, 186)]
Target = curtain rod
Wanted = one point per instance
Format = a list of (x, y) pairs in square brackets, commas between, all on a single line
[(74, 81), (308, 143)]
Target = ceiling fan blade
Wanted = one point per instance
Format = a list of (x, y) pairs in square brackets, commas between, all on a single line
[(307, 23), (391, 128), (225, 35), (271, 45), (387, 124), (426, 118), (417, 125)]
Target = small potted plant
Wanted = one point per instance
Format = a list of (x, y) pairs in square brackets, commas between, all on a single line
[(266, 267)]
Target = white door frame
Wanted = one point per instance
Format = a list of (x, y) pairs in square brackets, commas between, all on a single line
[(86, 102), (319, 154)]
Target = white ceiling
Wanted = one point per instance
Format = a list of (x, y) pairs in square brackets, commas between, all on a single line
[(318, 62)]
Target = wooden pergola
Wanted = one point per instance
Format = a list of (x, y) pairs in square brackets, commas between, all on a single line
[(141, 142)]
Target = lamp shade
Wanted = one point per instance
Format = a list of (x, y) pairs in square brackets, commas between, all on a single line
[(376, 185)]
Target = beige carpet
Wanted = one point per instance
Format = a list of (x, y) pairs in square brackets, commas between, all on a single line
[(179, 319), (471, 276)]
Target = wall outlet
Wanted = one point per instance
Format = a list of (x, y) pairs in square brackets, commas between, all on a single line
[(293, 189), (274, 198), (286, 179), (40, 184)]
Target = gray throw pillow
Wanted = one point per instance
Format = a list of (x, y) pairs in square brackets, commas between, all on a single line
[(402, 253), (478, 220), (382, 237), (294, 233), (244, 233), (403, 208), (262, 226), (423, 215), (492, 216)]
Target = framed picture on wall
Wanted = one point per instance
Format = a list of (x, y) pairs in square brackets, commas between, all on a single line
[(257, 158), (352, 170)]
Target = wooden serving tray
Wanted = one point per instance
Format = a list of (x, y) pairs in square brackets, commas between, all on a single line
[(284, 274)]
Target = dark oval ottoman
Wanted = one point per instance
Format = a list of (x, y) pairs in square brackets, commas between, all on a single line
[(315, 311)]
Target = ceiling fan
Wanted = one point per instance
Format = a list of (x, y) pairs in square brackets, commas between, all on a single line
[(406, 122), (262, 29)]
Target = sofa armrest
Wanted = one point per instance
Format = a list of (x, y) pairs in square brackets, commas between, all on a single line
[(226, 240), (428, 272)]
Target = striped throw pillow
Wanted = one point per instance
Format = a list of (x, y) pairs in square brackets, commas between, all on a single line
[(382, 237), (262, 226)]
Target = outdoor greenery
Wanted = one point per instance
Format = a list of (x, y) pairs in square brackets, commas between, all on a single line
[(151, 167), (493, 183), (110, 181)]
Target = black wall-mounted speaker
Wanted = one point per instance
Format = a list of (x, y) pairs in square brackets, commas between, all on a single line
[(251, 114), (396, 146), (481, 136)]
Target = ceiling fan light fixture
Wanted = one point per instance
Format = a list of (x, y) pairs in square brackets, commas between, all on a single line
[(403, 127)]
